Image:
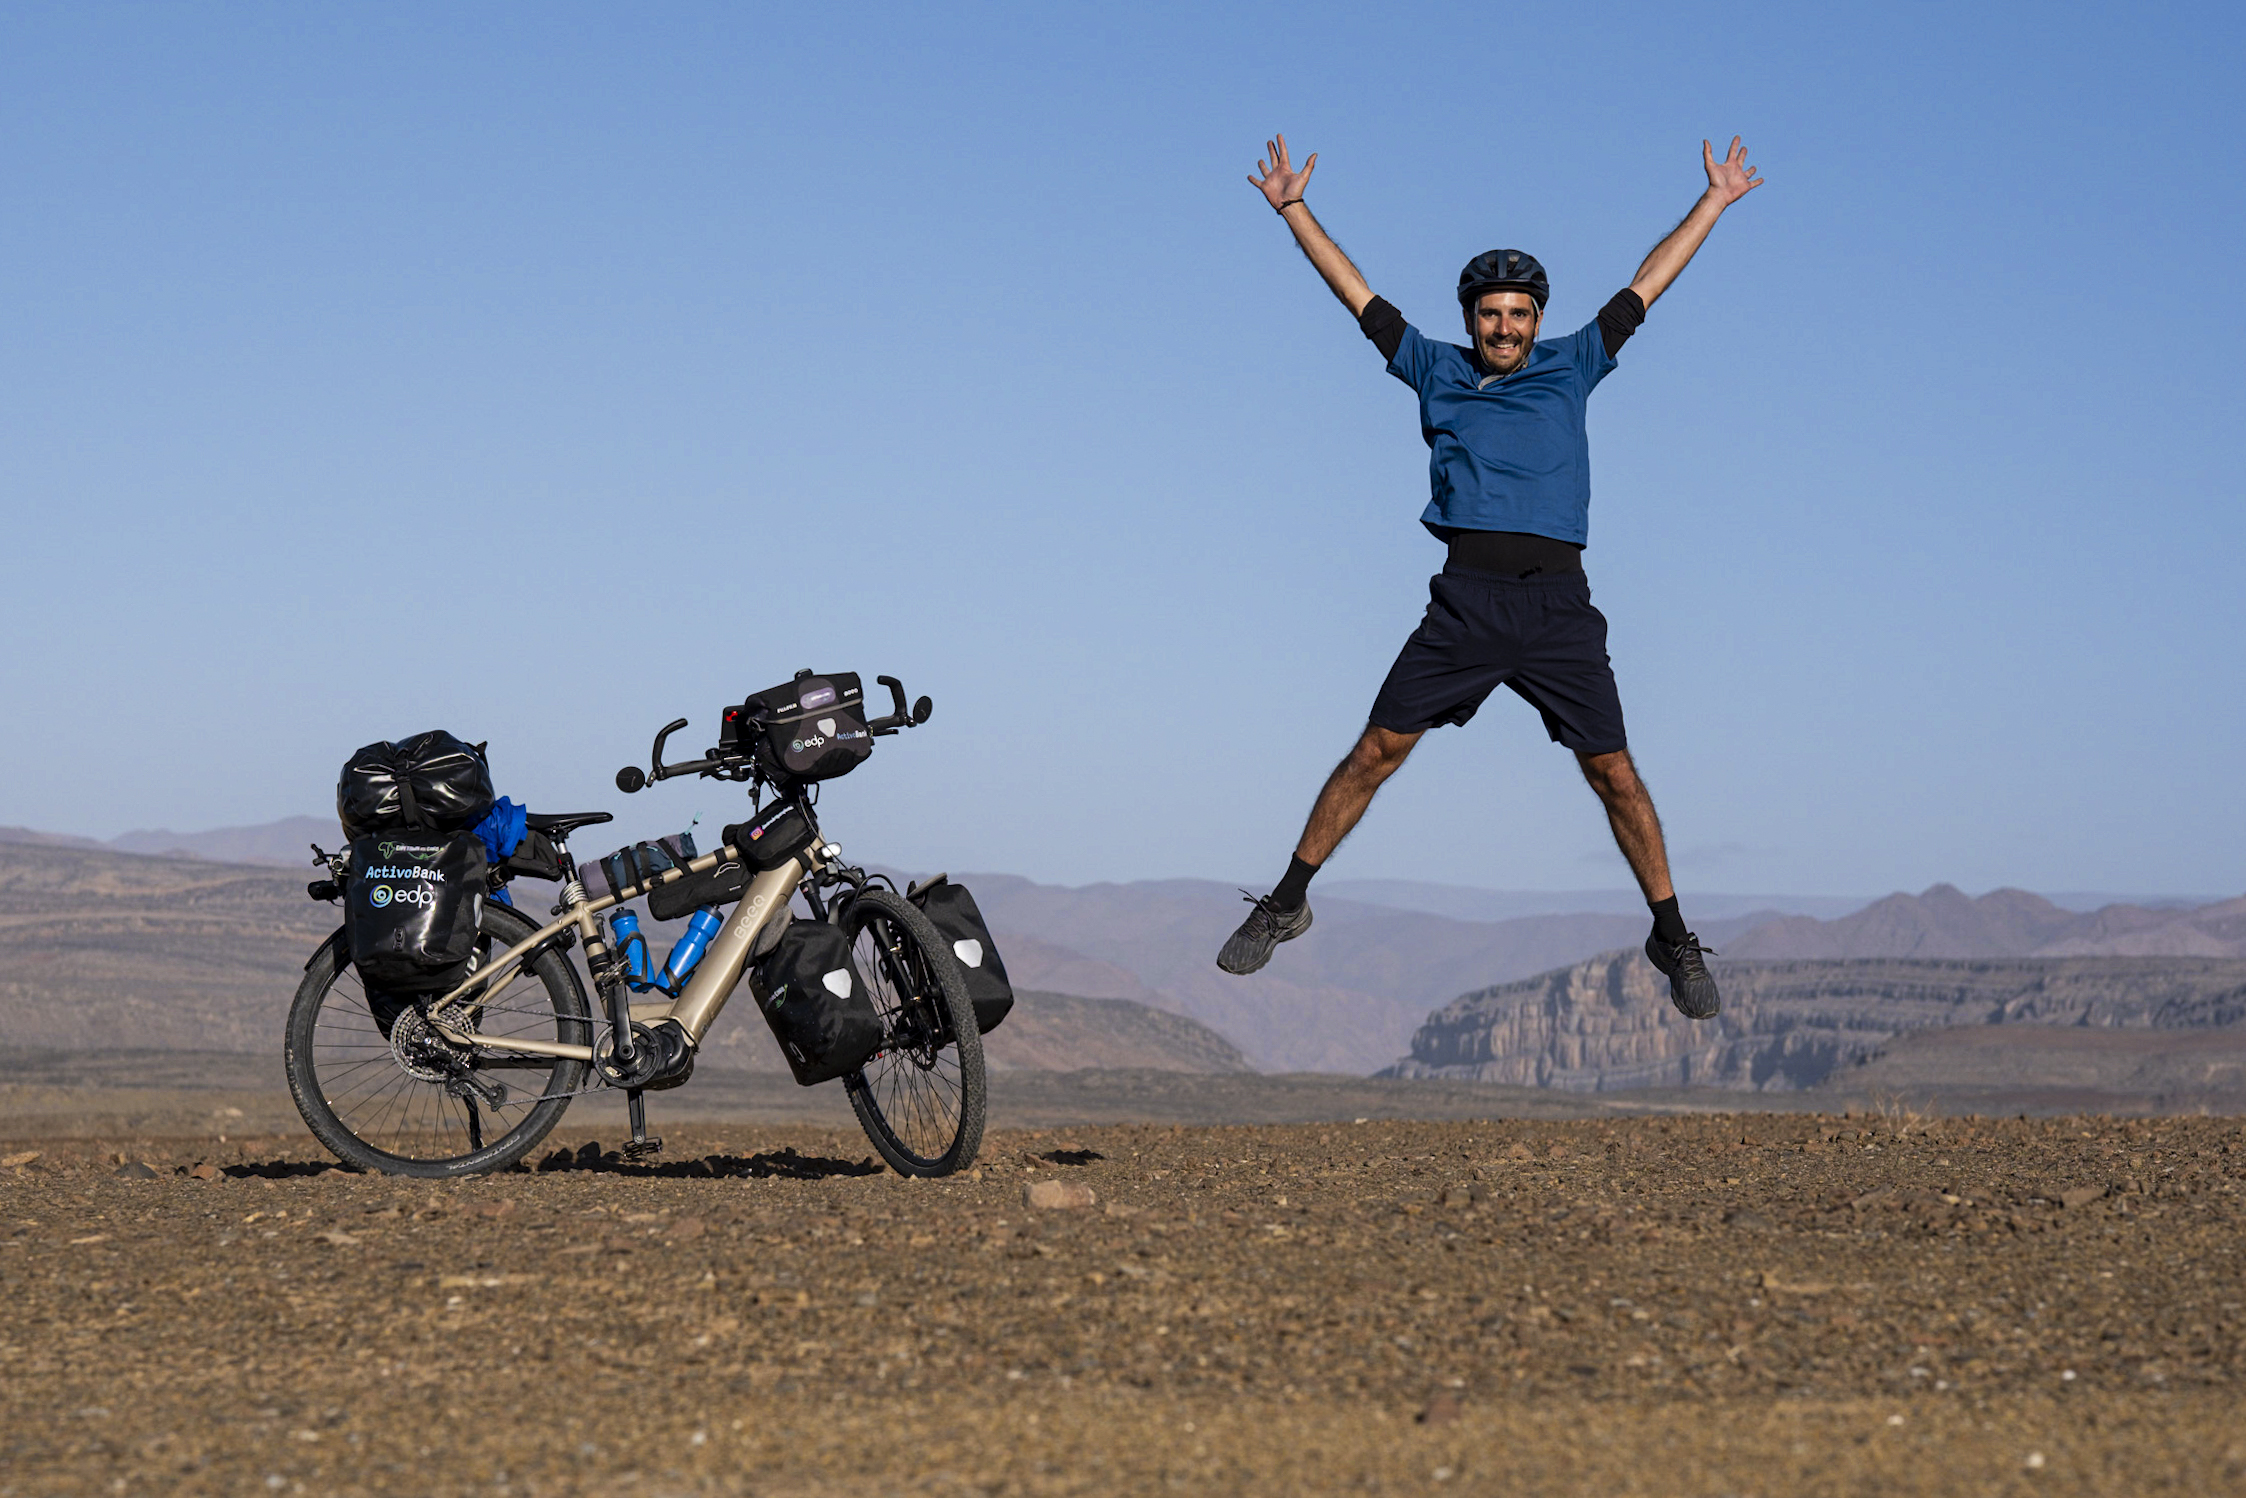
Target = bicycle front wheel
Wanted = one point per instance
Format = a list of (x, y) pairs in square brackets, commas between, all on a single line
[(384, 1091), (921, 1098)]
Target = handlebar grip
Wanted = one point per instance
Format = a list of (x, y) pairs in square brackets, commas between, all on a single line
[(655, 756), (897, 712)]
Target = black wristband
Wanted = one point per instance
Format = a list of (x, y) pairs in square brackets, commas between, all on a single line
[(1281, 210)]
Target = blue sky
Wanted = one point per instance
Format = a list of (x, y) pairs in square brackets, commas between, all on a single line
[(547, 372)]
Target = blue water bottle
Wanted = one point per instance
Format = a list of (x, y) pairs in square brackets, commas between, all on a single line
[(631, 945), (703, 925)]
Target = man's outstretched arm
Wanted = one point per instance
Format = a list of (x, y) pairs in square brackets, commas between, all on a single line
[(1281, 186), (1729, 180)]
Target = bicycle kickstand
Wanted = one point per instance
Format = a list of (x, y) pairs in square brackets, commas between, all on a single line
[(641, 1146)]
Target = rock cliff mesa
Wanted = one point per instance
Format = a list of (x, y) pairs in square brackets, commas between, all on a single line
[(1606, 1024)]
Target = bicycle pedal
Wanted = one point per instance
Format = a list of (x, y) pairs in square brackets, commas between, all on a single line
[(640, 1149)]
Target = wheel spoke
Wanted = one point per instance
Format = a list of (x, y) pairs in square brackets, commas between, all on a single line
[(914, 1096), (401, 1096)]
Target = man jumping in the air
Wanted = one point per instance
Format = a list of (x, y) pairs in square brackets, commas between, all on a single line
[(1511, 471)]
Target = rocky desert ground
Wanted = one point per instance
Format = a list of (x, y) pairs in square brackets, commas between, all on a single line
[(1721, 1304)]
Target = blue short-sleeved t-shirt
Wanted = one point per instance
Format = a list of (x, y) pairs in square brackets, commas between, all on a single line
[(1508, 454)]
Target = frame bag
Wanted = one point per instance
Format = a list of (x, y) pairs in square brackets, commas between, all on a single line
[(411, 906), (682, 897), (816, 1003), (812, 728), (634, 867), (951, 910), (640, 865), (431, 782)]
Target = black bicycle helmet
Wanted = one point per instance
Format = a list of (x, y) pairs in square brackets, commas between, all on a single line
[(1503, 270)]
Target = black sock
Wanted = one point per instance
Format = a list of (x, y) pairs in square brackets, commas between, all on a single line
[(1667, 923), (1295, 888)]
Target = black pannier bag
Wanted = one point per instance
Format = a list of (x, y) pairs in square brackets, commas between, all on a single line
[(411, 906), (770, 838), (816, 1003), (951, 910), (812, 728), (431, 782)]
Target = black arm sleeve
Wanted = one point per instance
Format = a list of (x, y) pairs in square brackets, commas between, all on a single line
[(1618, 319), (1384, 325)]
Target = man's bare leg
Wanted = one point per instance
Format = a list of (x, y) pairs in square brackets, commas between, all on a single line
[(1637, 827), (1284, 914), (1672, 949), (1350, 789)]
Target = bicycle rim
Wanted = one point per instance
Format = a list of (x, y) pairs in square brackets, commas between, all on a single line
[(392, 1088), (921, 1097)]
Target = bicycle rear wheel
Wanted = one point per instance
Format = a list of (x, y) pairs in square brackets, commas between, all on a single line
[(381, 1089), (921, 1098)]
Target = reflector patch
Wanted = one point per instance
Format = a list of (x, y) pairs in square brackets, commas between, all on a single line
[(837, 983), (969, 951)]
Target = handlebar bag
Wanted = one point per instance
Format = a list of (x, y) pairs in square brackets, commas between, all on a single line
[(773, 836), (411, 907), (952, 911), (816, 1003), (812, 728), (430, 783)]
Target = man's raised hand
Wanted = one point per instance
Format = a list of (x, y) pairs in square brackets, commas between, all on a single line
[(1729, 179), (1280, 182)]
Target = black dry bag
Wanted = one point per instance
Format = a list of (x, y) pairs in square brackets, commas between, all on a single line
[(431, 782), (411, 906), (812, 728), (816, 1003), (951, 910)]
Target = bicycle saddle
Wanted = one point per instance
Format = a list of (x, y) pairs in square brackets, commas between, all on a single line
[(562, 823)]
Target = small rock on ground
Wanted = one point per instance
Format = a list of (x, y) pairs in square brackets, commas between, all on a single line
[(1049, 1196)]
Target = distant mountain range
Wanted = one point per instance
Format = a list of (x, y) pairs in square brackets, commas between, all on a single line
[(286, 842), (1344, 998), (1350, 995), (1945, 922), (1462, 903)]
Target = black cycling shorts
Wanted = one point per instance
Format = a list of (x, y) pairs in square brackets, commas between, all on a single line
[(1538, 635)]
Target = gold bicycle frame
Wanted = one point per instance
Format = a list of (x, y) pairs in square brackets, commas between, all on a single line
[(697, 1005)]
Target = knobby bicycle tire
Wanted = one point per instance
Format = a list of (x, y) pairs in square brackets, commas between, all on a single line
[(921, 1099), (368, 1077)]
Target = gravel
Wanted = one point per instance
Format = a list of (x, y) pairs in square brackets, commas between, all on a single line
[(1709, 1304)]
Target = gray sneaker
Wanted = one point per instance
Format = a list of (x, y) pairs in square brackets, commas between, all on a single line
[(1691, 988), (1265, 927)]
